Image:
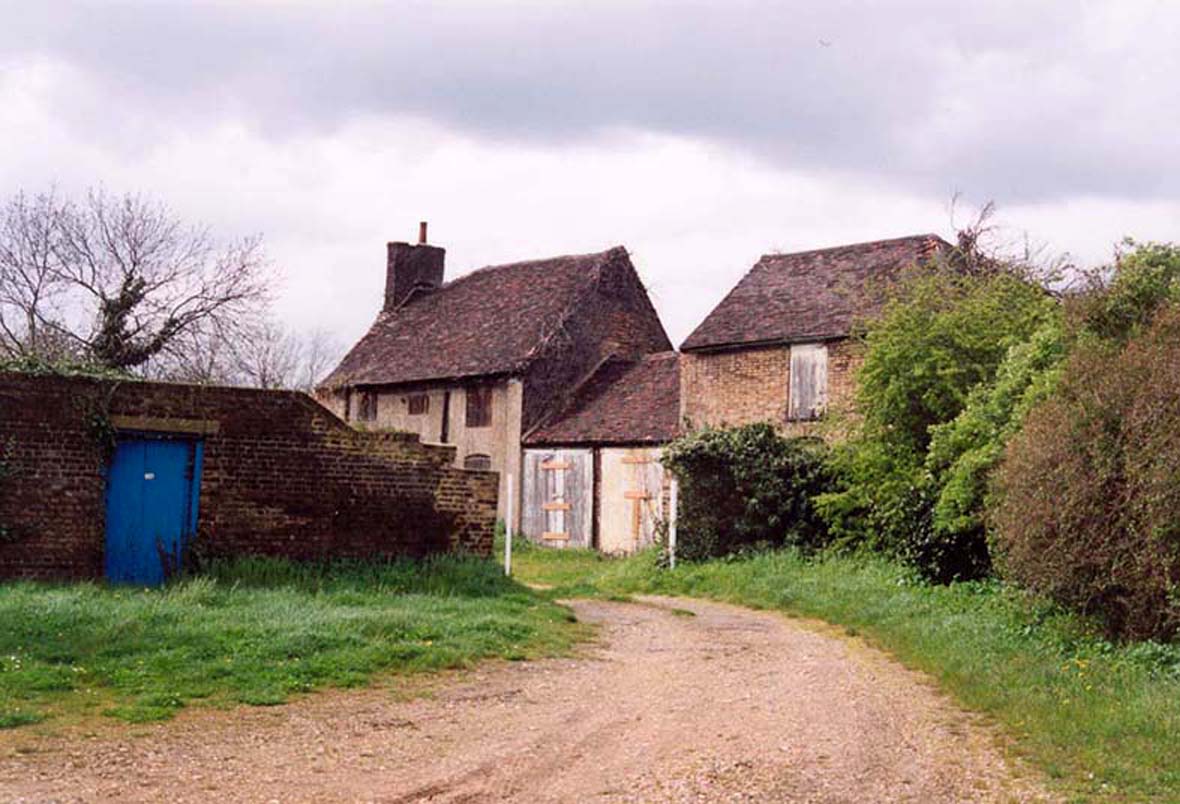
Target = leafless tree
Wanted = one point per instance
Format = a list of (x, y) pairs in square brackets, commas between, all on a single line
[(268, 359), (123, 283), (983, 247), (30, 287), (277, 358), (320, 353)]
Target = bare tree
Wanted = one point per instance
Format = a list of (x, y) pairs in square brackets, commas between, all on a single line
[(30, 286), (123, 283), (268, 359), (274, 357), (321, 352), (984, 247)]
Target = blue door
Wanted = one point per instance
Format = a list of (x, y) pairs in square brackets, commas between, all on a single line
[(152, 490)]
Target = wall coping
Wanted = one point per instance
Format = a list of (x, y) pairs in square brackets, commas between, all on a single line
[(159, 424)]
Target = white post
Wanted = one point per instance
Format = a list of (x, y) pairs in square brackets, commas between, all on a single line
[(672, 509), (508, 532)]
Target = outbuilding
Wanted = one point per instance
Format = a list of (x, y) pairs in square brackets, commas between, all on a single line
[(592, 472)]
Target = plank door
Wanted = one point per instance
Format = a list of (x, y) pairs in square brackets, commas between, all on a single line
[(631, 499), (151, 507), (558, 492)]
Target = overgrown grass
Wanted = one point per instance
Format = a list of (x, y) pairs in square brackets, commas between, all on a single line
[(256, 631), (1102, 719)]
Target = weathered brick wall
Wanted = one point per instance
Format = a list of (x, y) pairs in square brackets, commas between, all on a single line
[(744, 386), (282, 476)]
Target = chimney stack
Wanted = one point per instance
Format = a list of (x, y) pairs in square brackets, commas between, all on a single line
[(411, 269)]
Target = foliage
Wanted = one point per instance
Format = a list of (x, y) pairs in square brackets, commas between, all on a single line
[(964, 451), (1101, 719), (60, 367), (745, 487), (1087, 494), (256, 631), (942, 334), (1146, 276)]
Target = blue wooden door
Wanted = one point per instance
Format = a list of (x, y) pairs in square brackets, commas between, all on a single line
[(152, 490)]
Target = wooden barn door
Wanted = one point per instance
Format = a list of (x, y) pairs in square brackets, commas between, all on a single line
[(558, 493), (631, 500), (645, 495)]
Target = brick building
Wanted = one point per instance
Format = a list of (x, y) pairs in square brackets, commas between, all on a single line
[(481, 360), (117, 479), (778, 347)]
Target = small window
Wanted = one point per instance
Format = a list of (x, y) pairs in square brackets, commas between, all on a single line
[(481, 462), (418, 404), (809, 382), (479, 406), (367, 408)]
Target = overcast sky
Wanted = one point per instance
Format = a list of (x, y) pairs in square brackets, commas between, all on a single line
[(699, 135)]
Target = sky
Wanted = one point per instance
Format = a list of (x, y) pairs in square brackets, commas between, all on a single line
[(698, 135)]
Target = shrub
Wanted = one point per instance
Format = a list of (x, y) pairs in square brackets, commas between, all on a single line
[(746, 487), (964, 451), (1145, 277), (1086, 497), (942, 334)]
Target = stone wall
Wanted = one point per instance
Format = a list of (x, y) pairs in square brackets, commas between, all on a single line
[(282, 476), (748, 385)]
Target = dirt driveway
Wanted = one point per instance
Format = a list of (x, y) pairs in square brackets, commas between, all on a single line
[(725, 704)]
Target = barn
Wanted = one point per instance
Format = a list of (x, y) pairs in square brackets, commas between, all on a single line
[(592, 473)]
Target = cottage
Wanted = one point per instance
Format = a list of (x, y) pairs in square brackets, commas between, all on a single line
[(778, 348), (592, 473), (481, 360)]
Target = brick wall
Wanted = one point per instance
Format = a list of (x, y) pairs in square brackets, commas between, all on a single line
[(282, 476), (743, 386)]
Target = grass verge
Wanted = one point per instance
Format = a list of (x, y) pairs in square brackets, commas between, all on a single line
[(1101, 719), (256, 631)]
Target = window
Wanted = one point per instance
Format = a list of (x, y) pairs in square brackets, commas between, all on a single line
[(418, 404), (479, 406), (367, 408), (482, 462), (809, 382)]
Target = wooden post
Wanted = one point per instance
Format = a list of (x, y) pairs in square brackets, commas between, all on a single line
[(672, 509), (508, 532)]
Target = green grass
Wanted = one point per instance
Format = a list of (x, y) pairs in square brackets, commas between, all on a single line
[(256, 631), (1101, 719)]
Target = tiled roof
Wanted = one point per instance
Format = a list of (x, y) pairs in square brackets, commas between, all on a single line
[(491, 321), (811, 295), (624, 402)]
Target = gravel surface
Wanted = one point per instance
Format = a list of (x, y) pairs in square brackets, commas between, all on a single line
[(726, 704)]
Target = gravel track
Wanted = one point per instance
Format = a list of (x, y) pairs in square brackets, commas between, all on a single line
[(723, 704)]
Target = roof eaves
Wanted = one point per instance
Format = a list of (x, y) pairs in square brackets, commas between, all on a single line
[(727, 346)]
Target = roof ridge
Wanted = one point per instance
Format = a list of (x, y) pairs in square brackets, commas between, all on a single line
[(525, 263), (925, 236), (793, 295)]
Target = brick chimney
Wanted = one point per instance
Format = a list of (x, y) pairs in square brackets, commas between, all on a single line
[(411, 268)]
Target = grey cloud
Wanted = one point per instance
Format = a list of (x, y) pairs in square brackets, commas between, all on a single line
[(1017, 101)]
